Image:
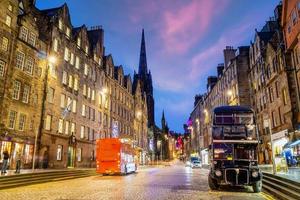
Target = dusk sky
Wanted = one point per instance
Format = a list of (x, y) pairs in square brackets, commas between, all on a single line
[(184, 40)]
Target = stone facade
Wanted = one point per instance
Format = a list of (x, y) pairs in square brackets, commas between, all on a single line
[(58, 87)]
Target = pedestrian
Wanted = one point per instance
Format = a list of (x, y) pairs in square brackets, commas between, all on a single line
[(5, 162), (18, 162)]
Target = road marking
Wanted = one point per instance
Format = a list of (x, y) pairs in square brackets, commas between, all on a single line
[(267, 196)]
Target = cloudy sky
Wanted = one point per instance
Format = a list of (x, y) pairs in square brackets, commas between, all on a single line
[(184, 40)]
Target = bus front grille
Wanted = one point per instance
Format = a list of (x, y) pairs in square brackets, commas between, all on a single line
[(236, 176)]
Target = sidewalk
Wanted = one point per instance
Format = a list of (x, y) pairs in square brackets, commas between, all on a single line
[(30, 171), (292, 174)]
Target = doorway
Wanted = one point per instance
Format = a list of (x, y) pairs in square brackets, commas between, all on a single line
[(71, 157)]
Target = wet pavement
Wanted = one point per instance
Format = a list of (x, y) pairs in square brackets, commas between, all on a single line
[(170, 182)]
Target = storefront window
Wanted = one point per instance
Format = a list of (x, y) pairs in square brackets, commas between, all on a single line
[(59, 152), (28, 153), (78, 154), (5, 145)]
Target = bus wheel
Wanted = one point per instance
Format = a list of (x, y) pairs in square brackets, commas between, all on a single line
[(212, 183), (257, 186)]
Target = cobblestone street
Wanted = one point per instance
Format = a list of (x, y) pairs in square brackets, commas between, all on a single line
[(171, 182)]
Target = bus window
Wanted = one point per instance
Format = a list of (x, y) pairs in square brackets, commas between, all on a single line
[(242, 152), (223, 151)]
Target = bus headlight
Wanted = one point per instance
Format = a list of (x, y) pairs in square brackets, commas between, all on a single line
[(218, 173), (254, 174)]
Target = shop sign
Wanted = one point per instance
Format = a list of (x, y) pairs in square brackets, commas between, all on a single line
[(279, 135)]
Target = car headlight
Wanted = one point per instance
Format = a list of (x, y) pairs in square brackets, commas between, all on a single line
[(188, 163), (218, 173), (254, 174)]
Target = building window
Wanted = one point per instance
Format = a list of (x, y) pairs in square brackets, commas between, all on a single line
[(271, 94), (79, 154), (59, 152), (75, 84), (60, 24), (26, 93), (89, 92), (277, 88), (93, 95), (4, 46), (294, 17), (23, 33), (16, 91), (48, 122), (84, 90), (82, 132), (60, 125), (20, 60), (73, 130), (12, 119), (8, 20), (67, 123), (69, 103), (284, 96), (2, 67), (29, 65), (62, 101), (86, 69), (32, 39), (50, 95), (55, 45), (68, 32), (22, 121), (66, 56), (10, 8), (70, 81), (78, 42), (72, 59), (64, 77), (86, 49), (274, 119), (77, 62), (83, 110), (74, 106)]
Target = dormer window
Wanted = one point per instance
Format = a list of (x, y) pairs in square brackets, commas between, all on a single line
[(78, 42), (68, 32), (60, 25)]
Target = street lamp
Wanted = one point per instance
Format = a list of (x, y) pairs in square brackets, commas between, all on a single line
[(51, 60), (229, 93)]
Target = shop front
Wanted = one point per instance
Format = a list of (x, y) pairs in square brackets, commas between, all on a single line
[(16, 145), (279, 141)]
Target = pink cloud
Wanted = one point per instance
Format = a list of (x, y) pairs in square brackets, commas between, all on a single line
[(184, 26)]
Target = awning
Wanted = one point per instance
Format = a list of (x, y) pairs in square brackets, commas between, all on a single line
[(291, 144)]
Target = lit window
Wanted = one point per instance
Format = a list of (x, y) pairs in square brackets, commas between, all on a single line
[(68, 32), (82, 132), (66, 57), (16, 91), (29, 65), (69, 103), (73, 128), (84, 90), (86, 69), (4, 46), (284, 96), (2, 67), (20, 60), (70, 81), (23, 33), (78, 42), (60, 24), (75, 84), (93, 95), (83, 110), (22, 121), (10, 8), (8, 20), (89, 92), (59, 152), (12, 119), (67, 124), (74, 106), (60, 125), (32, 39), (87, 49), (26, 93), (48, 122), (77, 62), (55, 44), (72, 59), (64, 77), (62, 101)]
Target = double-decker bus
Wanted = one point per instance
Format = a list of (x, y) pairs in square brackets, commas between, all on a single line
[(233, 148), (115, 156)]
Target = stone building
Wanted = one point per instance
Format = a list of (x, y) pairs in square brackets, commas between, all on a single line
[(22, 73)]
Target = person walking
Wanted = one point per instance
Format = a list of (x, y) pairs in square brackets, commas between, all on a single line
[(5, 162), (18, 162)]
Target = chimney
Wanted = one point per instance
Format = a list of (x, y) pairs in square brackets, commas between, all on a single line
[(211, 82), (220, 69), (229, 53)]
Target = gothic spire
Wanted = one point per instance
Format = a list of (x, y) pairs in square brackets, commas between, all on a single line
[(143, 59)]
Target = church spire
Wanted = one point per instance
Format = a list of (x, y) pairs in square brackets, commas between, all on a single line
[(143, 59)]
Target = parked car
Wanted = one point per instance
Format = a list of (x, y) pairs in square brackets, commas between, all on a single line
[(196, 164)]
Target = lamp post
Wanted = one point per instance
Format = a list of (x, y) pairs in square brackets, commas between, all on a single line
[(272, 148), (51, 60)]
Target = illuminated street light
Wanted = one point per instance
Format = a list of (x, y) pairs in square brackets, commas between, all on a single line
[(229, 93), (52, 59)]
